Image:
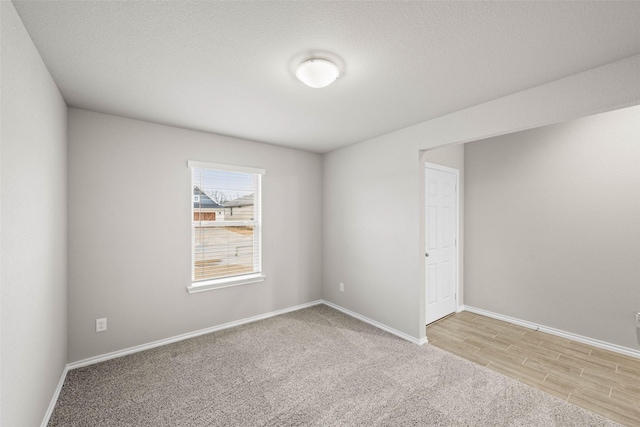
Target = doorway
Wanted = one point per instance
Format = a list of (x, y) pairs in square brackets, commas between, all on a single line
[(441, 241)]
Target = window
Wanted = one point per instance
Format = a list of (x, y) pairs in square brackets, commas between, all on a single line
[(225, 226)]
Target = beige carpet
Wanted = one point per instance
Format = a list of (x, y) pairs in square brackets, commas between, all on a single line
[(313, 367)]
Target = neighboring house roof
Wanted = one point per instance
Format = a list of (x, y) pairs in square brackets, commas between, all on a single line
[(240, 201), (205, 201)]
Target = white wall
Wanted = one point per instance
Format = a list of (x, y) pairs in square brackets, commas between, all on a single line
[(553, 225), (379, 259), (33, 224), (129, 232)]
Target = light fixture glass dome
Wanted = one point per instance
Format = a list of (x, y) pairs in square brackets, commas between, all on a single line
[(317, 73)]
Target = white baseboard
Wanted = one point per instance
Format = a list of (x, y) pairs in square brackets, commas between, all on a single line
[(154, 344), (377, 324), (568, 335), (54, 399)]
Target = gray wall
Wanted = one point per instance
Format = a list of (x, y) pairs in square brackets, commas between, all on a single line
[(372, 189), (553, 225), (34, 228), (129, 232), (451, 156)]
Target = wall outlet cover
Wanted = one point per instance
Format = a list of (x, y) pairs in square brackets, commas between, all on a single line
[(101, 324)]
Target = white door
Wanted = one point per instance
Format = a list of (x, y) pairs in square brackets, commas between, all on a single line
[(441, 216)]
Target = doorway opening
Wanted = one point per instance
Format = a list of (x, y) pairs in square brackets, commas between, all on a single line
[(441, 198)]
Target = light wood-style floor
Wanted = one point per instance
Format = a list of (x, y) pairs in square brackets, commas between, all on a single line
[(601, 381)]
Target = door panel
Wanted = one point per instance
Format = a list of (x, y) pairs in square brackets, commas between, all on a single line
[(447, 292), (432, 227)]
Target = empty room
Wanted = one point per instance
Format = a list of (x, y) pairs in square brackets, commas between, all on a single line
[(319, 213)]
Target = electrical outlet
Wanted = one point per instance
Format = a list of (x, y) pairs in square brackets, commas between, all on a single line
[(637, 320), (101, 324), (341, 287)]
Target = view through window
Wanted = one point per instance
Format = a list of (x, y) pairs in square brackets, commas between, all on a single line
[(225, 222)]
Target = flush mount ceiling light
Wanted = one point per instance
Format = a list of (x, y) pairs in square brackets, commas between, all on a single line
[(317, 73)]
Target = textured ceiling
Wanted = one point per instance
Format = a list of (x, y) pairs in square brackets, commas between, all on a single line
[(228, 67)]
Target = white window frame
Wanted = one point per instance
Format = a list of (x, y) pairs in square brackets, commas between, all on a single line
[(244, 279)]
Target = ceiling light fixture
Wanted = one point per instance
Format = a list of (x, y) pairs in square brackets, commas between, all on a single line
[(317, 73)]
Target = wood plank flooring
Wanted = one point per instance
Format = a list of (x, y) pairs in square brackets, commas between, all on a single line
[(601, 381)]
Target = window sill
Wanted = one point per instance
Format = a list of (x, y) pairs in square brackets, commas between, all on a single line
[(212, 285)]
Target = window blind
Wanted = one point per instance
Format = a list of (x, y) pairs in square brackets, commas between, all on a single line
[(226, 221)]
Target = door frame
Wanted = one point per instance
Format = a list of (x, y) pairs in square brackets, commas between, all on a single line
[(456, 172)]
